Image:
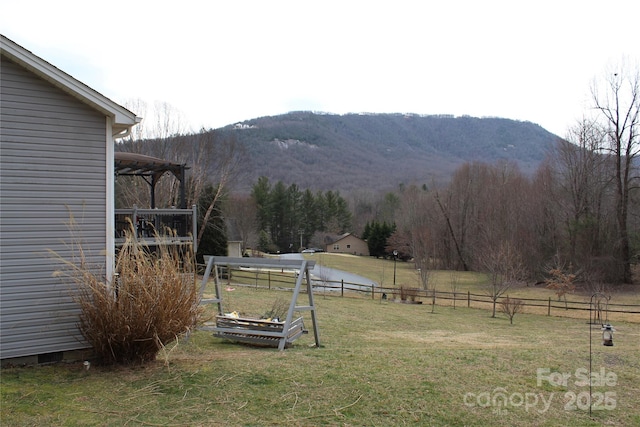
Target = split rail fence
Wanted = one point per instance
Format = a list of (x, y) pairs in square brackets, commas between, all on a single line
[(280, 280)]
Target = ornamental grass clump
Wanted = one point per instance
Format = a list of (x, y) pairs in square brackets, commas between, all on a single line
[(152, 301), (408, 294)]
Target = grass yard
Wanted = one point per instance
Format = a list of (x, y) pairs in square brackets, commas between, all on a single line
[(381, 364), (382, 271)]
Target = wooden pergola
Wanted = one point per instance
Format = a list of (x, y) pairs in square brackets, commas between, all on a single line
[(151, 223), (151, 170)]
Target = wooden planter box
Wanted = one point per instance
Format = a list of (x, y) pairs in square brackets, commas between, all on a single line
[(257, 331)]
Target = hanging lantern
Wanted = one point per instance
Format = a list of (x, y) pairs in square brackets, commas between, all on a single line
[(607, 335)]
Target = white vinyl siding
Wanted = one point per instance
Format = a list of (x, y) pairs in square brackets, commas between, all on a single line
[(52, 167)]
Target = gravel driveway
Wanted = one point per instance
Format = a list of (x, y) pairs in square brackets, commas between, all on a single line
[(321, 275)]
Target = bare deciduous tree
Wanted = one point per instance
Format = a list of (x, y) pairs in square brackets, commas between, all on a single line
[(212, 158), (504, 266), (225, 160), (160, 121), (154, 136), (581, 194), (511, 307), (454, 282), (617, 99), (457, 238), (242, 213), (414, 231)]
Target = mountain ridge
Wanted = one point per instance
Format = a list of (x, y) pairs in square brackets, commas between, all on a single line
[(378, 151)]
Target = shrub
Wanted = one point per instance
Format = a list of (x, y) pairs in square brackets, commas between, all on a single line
[(278, 310), (408, 294), (561, 282), (511, 307), (152, 301)]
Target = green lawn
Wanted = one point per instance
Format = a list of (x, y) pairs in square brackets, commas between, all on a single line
[(382, 271), (381, 364)]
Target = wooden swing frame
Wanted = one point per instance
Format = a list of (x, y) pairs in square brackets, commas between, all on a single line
[(261, 331)]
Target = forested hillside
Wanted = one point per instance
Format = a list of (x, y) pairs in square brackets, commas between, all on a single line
[(439, 181), (381, 151)]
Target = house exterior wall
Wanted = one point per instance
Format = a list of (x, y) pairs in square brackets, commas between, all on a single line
[(349, 244), (53, 163)]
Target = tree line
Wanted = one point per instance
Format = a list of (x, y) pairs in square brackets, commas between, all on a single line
[(287, 218), (579, 212)]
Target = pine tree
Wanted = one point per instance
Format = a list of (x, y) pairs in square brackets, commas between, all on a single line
[(214, 238)]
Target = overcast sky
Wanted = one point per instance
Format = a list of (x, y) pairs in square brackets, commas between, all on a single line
[(222, 62)]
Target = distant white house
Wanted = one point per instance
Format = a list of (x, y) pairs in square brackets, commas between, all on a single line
[(56, 162), (234, 248)]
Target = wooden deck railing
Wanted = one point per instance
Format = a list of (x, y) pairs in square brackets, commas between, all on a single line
[(152, 226)]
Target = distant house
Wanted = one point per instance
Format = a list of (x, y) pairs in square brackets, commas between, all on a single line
[(348, 244), (56, 162), (234, 248)]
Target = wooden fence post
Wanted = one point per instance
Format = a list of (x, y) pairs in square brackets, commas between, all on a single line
[(373, 294), (468, 299), (549, 308), (342, 287)]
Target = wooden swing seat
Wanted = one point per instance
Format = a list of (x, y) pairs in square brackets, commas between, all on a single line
[(261, 331), (257, 331)]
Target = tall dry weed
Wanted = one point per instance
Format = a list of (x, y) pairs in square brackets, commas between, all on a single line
[(152, 301)]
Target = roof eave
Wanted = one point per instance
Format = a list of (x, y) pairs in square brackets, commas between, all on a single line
[(123, 119)]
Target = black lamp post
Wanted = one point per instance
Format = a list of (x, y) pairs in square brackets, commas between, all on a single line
[(607, 330), (395, 258)]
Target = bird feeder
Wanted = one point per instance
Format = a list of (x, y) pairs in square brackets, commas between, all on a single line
[(607, 335)]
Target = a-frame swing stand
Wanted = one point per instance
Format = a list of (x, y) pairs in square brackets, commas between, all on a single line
[(262, 331)]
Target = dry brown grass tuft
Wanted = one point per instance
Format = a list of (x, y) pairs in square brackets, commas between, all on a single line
[(152, 301)]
